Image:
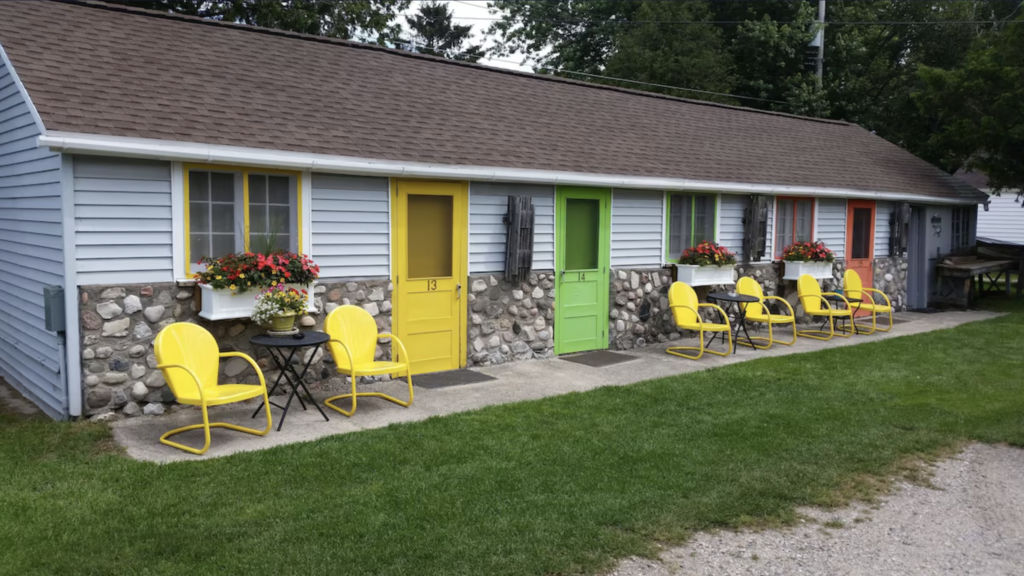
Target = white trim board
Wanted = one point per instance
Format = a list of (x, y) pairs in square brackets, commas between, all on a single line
[(211, 153), (72, 347)]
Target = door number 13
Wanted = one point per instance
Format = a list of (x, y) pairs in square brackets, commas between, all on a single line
[(431, 284)]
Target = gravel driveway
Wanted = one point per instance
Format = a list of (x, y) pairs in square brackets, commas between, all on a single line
[(972, 524)]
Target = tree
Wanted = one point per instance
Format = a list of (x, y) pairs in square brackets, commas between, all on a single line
[(365, 20), (693, 56), (979, 108), (434, 33)]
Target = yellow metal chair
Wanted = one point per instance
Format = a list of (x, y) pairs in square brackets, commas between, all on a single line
[(189, 358), (682, 301), (758, 312), (814, 303), (353, 344), (854, 288)]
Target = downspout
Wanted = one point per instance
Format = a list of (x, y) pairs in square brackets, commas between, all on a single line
[(69, 341)]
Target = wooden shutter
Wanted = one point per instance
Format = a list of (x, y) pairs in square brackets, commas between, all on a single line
[(519, 238), (755, 228), (899, 229)]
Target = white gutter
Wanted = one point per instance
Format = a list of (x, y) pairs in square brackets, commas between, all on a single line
[(235, 155)]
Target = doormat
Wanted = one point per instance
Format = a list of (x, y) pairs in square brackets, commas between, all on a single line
[(449, 378), (599, 359)]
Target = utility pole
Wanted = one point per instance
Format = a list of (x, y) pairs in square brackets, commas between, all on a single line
[(820, 39)]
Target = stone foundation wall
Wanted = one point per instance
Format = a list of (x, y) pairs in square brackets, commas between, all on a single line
[(118, 324), (638, 308), (509, 322), (891, 278)]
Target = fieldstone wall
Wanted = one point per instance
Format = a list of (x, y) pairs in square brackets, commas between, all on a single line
[(509, 322), (891, 278), (638, 309), (118, 324)]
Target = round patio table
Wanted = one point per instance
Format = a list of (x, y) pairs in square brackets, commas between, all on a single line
[(837, 300), (283, 350), (735, 300)]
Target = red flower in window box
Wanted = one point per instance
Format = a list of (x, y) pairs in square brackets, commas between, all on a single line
[(707, 254), (808, 252), (247, 271)]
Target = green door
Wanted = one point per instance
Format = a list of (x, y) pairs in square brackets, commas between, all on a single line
[(583, 222)]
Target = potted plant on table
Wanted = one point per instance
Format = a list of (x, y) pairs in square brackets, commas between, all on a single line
[(811, 258), (706, 264), (277, 307), (227, 283)]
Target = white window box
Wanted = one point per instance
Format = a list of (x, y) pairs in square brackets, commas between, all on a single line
[(817, 270), (705, 275), (225, 304)]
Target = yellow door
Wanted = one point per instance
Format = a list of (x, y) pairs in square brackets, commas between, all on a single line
[(428, 242)]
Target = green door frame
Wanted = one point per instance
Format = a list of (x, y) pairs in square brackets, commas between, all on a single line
[(602, 273)]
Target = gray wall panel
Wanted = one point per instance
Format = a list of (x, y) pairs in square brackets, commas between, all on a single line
[(488, 202), (638, 223), (350, 227)]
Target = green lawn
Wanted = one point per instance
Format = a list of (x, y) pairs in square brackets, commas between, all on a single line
[(554, 486)]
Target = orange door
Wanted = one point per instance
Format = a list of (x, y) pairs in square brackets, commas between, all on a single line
[(860, 240)]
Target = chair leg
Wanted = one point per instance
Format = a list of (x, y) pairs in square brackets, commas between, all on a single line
[(888, 328), (791, 342), (679, 350), (207, 425), (356, 395), (818, 334), (753, 340)]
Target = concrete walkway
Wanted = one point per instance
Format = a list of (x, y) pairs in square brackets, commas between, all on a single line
[(515, 382)]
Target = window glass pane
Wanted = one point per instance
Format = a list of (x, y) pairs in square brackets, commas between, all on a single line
[(431, 228), (804, 216), (199, 246), (279, 189), (223, 244), (704, 219), (257, 189), (222, 187), (199, 216), (784, 223), (257, 218), (280, 222), (861, 245), (582, 233), (679, 224), (223, 217), (198, 185)]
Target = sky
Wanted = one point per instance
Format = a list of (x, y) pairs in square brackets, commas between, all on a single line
[(463, 9)]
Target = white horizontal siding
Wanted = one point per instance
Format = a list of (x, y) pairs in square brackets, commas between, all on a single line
[(769, 245), (831, 224), (731, 209), (488, 203), (351, 226), (1004, 220), (883, 226), (122, 220), (31, 253), (638, 223)]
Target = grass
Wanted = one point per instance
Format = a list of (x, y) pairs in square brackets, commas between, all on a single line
[(557, 486)]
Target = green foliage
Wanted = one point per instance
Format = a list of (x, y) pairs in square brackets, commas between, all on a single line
[(563, 485), (979, 108), (434, 34), (366, 20)]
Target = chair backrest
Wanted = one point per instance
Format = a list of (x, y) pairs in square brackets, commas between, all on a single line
[(749, 287), (809, 292), (852, 285), (357, 329), (191, 346), (682, 293)]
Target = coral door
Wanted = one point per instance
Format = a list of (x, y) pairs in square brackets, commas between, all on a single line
[(582, 251), (428, 240), (860, 241)]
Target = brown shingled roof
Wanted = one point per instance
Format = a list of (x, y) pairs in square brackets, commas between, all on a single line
[(100, 69)]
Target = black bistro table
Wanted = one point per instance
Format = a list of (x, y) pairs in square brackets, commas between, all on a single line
[(836, 301), (283, 350), (733, 299)]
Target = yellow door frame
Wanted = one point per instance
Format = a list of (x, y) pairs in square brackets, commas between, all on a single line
[(459, 191)]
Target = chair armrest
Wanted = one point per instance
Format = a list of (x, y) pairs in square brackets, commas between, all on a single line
[(691, 309), (720, 311), (887, 301), (195, 378), (351, 362), (784, 301), (863, 292), (396, 340), (248, 359)]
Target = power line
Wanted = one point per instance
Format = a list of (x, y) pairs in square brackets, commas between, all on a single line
[(738, 22)]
